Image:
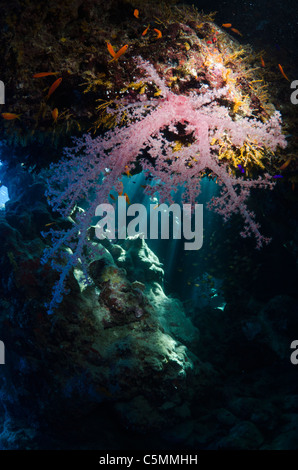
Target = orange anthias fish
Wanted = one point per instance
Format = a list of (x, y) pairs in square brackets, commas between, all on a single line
[(55, 114), (236, 31), (10, 116), (126, 198), (54, 86), (120, 194), (136, 13), (145, 31), (110, 49), (127, 171), (227, 25), (119, 53), (51, 223), (262, 62), (44, 74), (282, 72), (159, 34), (284, 166)]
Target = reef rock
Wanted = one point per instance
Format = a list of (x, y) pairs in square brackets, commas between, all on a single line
[(119, 342)]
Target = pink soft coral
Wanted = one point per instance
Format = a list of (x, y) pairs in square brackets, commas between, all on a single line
[(93, 167)]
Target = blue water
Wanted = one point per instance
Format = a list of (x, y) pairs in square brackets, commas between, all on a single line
[(3, 196)]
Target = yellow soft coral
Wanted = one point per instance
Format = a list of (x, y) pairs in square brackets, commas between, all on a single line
[(249, 156)]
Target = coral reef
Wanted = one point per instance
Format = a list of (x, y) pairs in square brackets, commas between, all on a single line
[(122, 363), (91, 169)]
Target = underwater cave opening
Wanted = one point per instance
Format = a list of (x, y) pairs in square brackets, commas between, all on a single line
[(182, 267)]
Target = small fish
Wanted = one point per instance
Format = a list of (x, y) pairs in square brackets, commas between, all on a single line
[(127, 171), (121, 192), (119, 53), (284, 165), (277, 176), (44, 74), (209, 42), (55, 114), (10, 116), (282, 72), (54, 86), (145, 31), (136, 13), (51, 223), (262, 62), (155, 207), (236, 31), (126, 198), (241, 168), (159, 34), (187, 46), (227, 25), (143, 186), (110, 49)]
